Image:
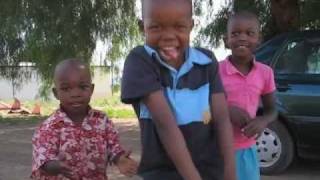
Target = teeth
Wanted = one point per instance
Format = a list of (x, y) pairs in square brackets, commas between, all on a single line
[(242, 46), (168, 48), (76, 105)]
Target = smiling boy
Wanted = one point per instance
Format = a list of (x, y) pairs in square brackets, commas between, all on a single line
[(178, 97)]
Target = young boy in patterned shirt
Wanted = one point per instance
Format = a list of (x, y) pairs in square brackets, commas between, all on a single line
[(76, 142)]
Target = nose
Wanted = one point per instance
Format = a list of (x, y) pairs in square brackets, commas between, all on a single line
[(168, 34), (243, 36), (75, 92)]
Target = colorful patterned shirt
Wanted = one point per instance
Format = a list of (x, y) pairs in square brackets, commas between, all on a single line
[(86, 147)]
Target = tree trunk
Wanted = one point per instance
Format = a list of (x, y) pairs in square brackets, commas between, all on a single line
[(285, 15), (248, 5)]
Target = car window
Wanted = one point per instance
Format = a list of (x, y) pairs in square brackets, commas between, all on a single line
[(313, 60), (299, 57), (267, 50)]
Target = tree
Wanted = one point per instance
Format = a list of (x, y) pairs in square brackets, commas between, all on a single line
[(277, 16), (45, 32)]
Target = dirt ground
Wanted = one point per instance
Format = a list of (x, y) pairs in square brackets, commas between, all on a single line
[(16, 149), (15, 153)]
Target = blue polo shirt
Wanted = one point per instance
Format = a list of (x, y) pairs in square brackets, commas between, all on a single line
[(188, 91)]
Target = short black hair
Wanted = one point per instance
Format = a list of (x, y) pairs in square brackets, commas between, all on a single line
[(70, 63), (143, 1), (244, 15)]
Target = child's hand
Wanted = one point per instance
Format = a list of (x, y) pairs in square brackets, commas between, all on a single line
[(57, 167), (126, 165), (255, 127), (238, 116)]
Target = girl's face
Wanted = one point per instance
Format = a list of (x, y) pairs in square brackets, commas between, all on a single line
[(243, 37)]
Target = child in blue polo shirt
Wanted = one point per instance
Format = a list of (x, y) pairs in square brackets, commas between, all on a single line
[(177, 95)]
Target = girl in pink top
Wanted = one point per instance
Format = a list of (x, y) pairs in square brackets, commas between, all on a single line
[(246, 82)]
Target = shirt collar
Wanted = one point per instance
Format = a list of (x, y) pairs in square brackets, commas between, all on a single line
[(62, 115), (231, 69)]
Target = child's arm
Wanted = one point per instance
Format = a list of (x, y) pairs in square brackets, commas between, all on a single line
[(225, 135), (238, 116), (126, 165), (116, 154), (256, 126), (170, 135), (222, 121), (56, 167), (46, 156)]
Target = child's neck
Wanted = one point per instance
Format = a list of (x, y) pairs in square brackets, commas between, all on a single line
[(242, 64), (176, 64), (78, 117)]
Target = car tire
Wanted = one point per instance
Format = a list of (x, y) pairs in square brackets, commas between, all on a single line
[(275, 149)]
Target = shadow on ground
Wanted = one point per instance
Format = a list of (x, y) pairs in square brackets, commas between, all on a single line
[(16, 148), (15, 153)]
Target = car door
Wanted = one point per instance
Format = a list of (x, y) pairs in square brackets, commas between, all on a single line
[(297, 75)]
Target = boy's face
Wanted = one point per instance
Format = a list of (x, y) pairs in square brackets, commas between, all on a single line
[(243, 37), (167, 25), (73, 88)]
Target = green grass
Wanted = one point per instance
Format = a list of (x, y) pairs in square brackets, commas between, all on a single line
[(120, 113), (111, 105), (13, 120)]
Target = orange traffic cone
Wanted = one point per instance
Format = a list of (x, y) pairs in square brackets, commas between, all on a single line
[(37, 109), (16, 108), (15, 105)]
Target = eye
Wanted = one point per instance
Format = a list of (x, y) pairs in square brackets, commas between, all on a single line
[(235, 34), (154, 27), (181, 27), (65, 89), (84, 86), (251, 33)]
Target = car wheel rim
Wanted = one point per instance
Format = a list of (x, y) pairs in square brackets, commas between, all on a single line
[(269, 148)]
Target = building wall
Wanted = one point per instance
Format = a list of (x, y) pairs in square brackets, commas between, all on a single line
[(29, 87)]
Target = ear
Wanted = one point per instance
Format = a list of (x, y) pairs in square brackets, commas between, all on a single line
[(55, 93), (141, 26), (92, 88), (260, 38), (192, 25), (225, 41)]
